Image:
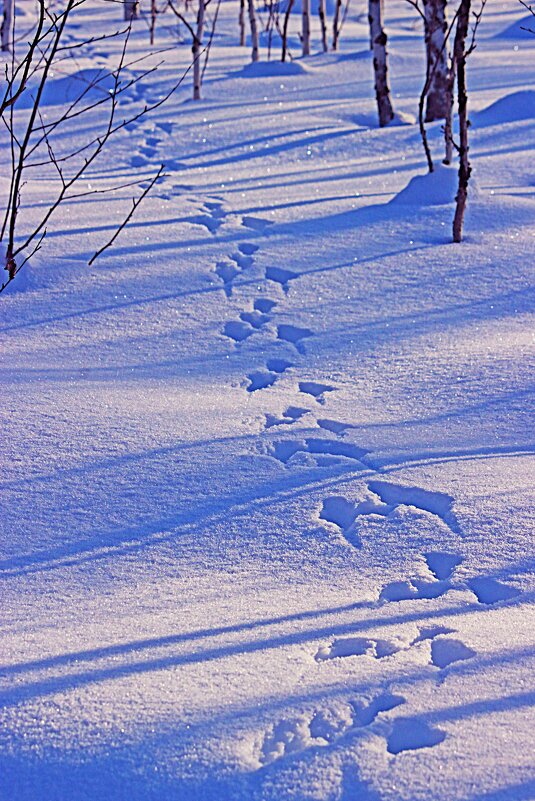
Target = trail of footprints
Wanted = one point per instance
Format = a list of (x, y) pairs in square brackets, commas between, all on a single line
[(335, 721), (332, 722)]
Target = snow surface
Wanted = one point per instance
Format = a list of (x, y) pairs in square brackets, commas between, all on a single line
[(267, 487)]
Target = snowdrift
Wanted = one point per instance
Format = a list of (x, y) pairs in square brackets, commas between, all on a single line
[(511, 108)]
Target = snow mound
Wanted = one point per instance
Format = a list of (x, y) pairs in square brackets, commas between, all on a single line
[(91, 83), (517, 30), (371, 120), (513, 107), (433, 189), (272, 69), (402, 118)]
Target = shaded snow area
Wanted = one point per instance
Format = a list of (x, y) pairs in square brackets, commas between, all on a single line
[(267, 465)]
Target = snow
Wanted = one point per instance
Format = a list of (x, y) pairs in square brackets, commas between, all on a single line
[(267, 487)]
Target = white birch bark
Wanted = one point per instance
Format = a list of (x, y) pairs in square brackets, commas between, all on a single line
[(254, 30), (437, 59), (380, 62), (7, 24), (131, 9), (196, 51), (305, 31)]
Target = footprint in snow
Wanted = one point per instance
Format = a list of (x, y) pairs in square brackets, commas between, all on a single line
[(266, 378), (238, 331), (315, 389), (294, 335), (325, 726), (264, 305), (138, 161), (343, 647), (281, 276), (342, 514), (411, 734), (489, 591), (325, 451), (227, 272), (440, 564), (212, 215), (445, 651), (290, 416)]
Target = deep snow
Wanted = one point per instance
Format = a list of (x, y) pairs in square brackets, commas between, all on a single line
[(267, 486)]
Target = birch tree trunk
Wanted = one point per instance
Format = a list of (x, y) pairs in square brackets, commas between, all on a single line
[(459, 57), (242, 23), (437, 59), (7, 24), (448, 125), (336, 23), (131, 9), (254, 29), (196, 50), (323, 22), (380, 62), (305, 32)]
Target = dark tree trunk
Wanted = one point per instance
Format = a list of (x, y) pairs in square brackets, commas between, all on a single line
[(459, 57)]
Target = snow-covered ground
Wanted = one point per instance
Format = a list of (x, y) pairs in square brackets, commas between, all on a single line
[(267, 484)]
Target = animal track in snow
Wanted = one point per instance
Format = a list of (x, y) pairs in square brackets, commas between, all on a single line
[(212, 218), (152, 141), (445, 651), (410, 734), (367, 713), (287, 737), (138, 161), (489, 591), (436, 503), (264, 305), (359, 646), (249, 322), (325, 727), (238, 330), (243, 261), (326, 451), (315, 389), (248, 248), (266, 378), (281, 276), (254, 318), (291, 415), (413, 589), (227, 272), (342, 514), (166, 127), (430, 632), (442, 564), (261, 379), (294, 335)]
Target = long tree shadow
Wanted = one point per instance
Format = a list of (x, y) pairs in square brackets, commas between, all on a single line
[(23, 692)]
